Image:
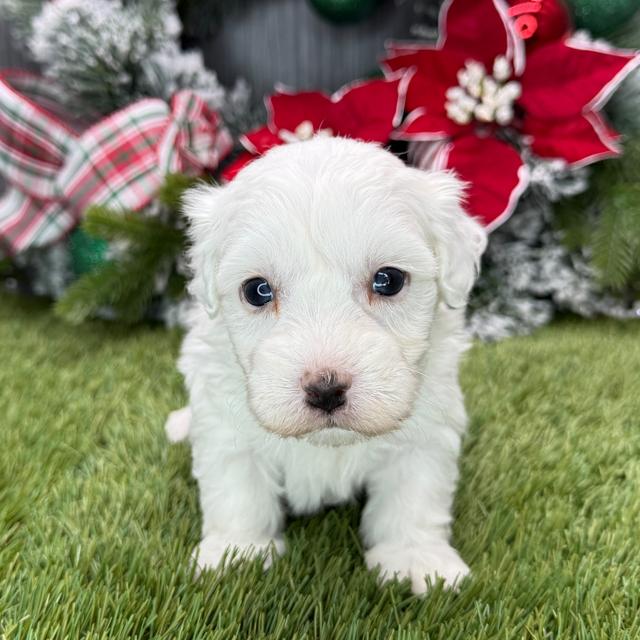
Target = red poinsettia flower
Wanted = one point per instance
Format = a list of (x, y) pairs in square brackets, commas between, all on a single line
[(486, 100), (365, 110)]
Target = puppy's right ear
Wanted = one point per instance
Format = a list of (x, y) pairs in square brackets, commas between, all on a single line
[(458, 240), (201, 206)]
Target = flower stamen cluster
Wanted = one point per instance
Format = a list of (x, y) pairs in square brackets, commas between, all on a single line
[(483, 97), (304, 131)]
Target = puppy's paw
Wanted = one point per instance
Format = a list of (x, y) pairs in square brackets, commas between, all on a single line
[(217, 552), (178, 424), (434, 560)]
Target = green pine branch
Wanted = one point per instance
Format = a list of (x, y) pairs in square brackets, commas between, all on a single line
[(613, 202), (627, 36), (113, 225), (175, 184), (6, 266), (126, 283), (574, 218), (616, 239)]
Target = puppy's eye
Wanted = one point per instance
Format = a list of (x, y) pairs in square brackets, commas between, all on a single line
[(388, 281), (257, 292)]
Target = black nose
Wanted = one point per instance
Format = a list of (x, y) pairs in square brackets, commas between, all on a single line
[(326, 394)]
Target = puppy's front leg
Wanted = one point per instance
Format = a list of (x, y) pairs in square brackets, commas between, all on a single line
[(406, 522), (241, 509)]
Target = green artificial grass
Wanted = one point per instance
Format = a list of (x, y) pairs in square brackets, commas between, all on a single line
[(98, 513)]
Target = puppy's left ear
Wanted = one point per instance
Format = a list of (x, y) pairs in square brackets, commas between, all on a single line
[(458, 240), (201, 206)]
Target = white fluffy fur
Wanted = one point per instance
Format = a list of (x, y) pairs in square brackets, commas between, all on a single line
[(318, 219)]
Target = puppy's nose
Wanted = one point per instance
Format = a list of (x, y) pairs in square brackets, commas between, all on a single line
[(326, 390)]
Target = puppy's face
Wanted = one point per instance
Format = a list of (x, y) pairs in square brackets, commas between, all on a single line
[(327, 260)]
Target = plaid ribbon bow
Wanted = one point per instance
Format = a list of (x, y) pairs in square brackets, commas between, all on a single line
[(55, 171)]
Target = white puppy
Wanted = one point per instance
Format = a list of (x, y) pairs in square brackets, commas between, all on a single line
[(323, 356)]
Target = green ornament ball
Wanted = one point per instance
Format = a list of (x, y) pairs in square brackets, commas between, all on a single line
[(345, 11), (601, 17), (87, 252)]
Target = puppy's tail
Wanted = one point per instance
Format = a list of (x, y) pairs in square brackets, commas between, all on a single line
[(177, 425)]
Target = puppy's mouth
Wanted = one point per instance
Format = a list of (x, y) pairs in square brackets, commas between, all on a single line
[(332, 423), (339, 419), (334, 429), (346, 422), (336, 419), (300, 431)]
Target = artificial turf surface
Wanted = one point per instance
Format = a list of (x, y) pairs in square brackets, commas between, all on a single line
[(98, 513)]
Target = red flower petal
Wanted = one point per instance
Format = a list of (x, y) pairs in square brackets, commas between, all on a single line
[(369, 110), (477, 27), (564, 79), (365, 110), (495, 186), (260, 140), (232, 170), (419, 125), (288, 110), (435, 72), (578, 140)]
